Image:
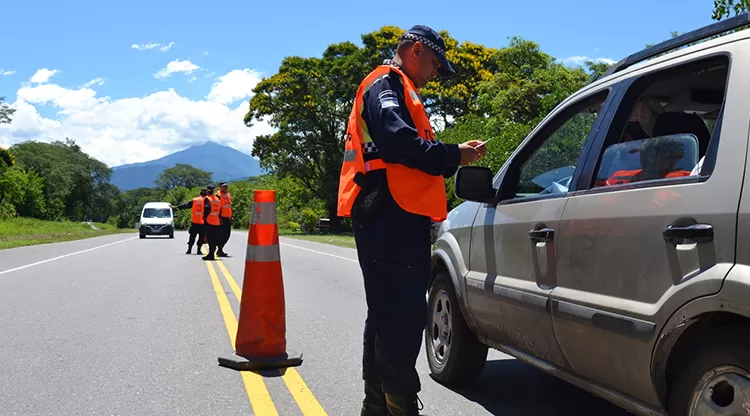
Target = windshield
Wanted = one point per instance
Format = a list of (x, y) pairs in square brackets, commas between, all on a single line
[(157, 213)]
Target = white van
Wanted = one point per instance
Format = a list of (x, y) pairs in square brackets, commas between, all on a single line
[(157, 218)]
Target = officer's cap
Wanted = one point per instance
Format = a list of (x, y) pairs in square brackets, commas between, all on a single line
[(433, 40), (209, 187), (224, 184)]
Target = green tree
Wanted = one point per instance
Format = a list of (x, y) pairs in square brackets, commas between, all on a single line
[(728, 8), (6, 158), (309, 113), (6, 112), (596, 69), (183, 175), (73, 180), (13, 182)]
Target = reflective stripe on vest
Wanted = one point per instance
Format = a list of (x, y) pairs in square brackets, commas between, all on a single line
[(226, 205), (196, 214), (413, 190), (213, 216)]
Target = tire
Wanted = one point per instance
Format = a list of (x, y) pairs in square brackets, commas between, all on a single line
[(461, 358), (171, 235), (710, 366), (142, 236)]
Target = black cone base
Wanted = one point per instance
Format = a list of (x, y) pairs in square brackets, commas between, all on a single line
[(236, 362)]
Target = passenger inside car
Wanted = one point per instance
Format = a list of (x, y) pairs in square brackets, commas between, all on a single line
[(684, 105), (657, 158)]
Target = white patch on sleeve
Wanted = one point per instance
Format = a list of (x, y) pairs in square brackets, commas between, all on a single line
[(388, 99)]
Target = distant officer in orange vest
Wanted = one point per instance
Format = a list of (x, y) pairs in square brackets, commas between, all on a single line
[(198, 206), (212, 222), (226, 217), (392, 186)]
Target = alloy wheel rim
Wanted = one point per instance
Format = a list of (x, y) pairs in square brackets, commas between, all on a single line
[(442, 327), (724, 390)]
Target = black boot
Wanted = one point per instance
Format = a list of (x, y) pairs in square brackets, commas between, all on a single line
[(198, 251), (403, 405), (374, 402), (190, 248)]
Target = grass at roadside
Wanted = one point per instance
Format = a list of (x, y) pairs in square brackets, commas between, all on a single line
[(341, 240), (18, 232)]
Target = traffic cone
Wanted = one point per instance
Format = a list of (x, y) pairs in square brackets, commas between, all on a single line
[(261, 330)]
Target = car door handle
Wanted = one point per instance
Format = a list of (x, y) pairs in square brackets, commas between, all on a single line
[(542, 235), (700, 233)]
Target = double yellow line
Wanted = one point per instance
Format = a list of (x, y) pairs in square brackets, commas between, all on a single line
[(260, 399)]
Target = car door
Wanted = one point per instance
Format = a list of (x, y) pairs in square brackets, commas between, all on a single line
[(631, 253), (513, 244)]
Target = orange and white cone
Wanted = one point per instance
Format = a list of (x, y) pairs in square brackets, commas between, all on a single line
[(261, 329)]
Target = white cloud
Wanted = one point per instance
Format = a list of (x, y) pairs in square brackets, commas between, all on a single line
[(97, 81), (236, 85), (6, 72), (149, 46), (175, 66), (167, 47), (581, 60), (128, 130), (43, 75)]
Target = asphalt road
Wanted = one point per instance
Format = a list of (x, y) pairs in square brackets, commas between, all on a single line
[(121, 326)]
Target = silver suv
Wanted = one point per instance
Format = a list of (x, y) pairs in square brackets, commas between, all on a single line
[(612, 249)]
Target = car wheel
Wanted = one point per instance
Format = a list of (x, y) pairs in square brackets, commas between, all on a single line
[(171, 235), (142, 236), (714, 378), (454, 353)]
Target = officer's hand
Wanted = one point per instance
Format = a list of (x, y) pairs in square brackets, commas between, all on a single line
[(471, 151)]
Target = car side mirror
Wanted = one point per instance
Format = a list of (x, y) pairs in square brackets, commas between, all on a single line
[(474, 183)]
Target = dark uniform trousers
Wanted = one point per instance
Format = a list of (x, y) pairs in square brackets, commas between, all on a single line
[(213, 232), (196, 230), (225, 230), (394, 253)]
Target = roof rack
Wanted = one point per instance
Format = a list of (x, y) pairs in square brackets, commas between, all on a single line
[(682, 40)]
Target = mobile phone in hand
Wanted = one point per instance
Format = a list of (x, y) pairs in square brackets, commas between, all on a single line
[(483, 143)]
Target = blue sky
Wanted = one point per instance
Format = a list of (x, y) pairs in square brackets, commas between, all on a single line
[(128, 114)]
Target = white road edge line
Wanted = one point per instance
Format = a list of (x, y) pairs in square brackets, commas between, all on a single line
[(64, 255), (319, 252)]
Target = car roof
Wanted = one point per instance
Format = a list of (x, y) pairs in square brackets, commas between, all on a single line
[(156, 205)]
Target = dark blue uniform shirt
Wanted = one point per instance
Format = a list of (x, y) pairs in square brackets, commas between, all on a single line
[(395, 136)]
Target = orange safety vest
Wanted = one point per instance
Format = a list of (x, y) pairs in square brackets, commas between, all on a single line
[(226, 204), (626, 176), (197, 210), (413, 190), (213, 216)]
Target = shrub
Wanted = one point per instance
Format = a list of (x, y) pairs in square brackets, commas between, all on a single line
[(309, 219), (294, 226), (7, 211)]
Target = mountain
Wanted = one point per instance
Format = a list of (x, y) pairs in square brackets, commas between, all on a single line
[(226, 163)]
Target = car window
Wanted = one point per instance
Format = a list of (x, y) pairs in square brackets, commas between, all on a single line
[(550, 168), (156, 213), (662, 116), (648, 159)]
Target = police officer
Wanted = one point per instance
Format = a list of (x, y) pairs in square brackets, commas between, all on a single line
[(392, 186), (212, 222), (227, 220), (198, 205)]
